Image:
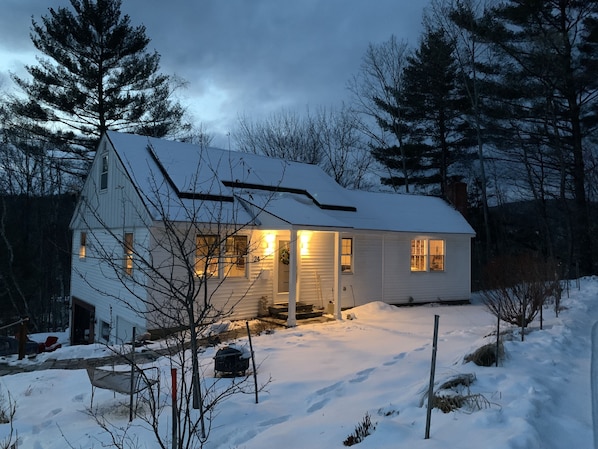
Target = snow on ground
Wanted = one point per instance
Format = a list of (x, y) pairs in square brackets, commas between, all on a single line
[(326, 377)]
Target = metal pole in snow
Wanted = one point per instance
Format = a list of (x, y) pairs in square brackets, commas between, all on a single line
[(497, 333), (132, 377), (432, 373), (252, 361), (174, 410)]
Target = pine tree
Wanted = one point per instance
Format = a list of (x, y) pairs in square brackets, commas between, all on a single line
[(546, 98), (435, 106), (96, 74)]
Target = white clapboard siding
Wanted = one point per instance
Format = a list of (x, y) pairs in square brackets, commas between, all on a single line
[(382, 271), (104, 285), (365, 284), (316, 281), (119, 205), (452, 284)]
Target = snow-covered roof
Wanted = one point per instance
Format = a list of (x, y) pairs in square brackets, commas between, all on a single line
[(267, 189)]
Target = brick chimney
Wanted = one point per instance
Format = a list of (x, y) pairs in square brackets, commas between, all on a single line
[(456, 194)]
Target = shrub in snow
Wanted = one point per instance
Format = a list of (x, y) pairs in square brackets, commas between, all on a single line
[(362, 430), (486, 355), (454, 394), (517, 286)]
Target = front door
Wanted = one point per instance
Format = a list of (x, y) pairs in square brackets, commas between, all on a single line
[(283, 254)]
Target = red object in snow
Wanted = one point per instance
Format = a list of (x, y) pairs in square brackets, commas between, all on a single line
[(51, 344)]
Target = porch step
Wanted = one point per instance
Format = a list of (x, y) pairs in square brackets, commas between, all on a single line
[(284, 307), (298, 315), (302, 311)]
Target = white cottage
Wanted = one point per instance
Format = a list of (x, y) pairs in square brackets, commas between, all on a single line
[(285, 233)]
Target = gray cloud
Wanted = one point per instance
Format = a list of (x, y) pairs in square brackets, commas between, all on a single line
[(249, 57)]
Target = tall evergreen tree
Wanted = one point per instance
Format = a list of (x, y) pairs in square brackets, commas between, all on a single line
[(96, 74), (546, 98), (435, 105)]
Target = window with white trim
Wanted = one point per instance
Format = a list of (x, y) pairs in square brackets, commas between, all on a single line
[(207, 253), (427, 255), (82, 245), (104, 172), (347, 255), (128, 253), (436, 255), (234, 259)]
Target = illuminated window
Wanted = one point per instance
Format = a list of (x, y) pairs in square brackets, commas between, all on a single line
[(82, 245), (418, 255), (235, 256), (128, 252), (436, 255), (104, 172), (347, 255), (207, 253), (427, 255)]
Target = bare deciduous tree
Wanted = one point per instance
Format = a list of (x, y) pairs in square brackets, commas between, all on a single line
[(285, 135), (469, 53), (376, 90), (517, 287), (330, 138), (8, 410), (345, 156)]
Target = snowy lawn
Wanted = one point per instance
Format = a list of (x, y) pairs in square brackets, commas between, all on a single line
[(326, 377)]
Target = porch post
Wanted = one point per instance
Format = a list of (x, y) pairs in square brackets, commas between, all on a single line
[(294, 254), (337, 276)]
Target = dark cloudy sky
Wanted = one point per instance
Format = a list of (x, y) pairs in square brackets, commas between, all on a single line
[(243, 57)]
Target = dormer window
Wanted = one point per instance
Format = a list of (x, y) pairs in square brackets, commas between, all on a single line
[(104, 172)]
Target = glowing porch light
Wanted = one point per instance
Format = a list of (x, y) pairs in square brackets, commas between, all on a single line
[(269, 244), (304, 243)]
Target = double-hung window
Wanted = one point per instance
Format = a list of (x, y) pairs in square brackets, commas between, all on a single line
[(235, 256), (104, 172), (128, 253), (207, 253), (82, 245), (436, 255), (427, 255), (347, 255)]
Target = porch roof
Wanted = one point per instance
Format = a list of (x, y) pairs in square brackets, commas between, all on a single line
[(275, 209)]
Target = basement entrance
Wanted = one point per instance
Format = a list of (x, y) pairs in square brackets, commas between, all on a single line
[(82, 330)]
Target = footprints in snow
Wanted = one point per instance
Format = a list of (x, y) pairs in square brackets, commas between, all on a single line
[(322, 396), (362, 375), (274, 421), (46, 423), (395, 359), (248, 435), (326, 391)]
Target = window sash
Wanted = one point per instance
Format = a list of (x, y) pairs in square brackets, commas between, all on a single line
[(104, 173), (82, 245), (346, 255), (436, 255), (235, 256), (207, 253), (128, 253), (418, 255)]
